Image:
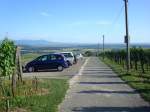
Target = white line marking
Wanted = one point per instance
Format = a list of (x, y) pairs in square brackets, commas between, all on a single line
[(74, 79)]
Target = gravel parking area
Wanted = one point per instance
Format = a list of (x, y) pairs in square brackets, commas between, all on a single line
[(66, 73)]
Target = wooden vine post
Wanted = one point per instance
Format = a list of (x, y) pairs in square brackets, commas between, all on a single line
[(19, 64), (17, 70), (14, 73)]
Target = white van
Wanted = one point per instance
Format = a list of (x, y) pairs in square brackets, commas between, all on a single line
[(69, 57)]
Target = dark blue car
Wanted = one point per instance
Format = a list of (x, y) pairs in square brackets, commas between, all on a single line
[(46, 62)]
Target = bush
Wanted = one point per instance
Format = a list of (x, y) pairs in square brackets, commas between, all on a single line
[(88, 53), (7, 57)]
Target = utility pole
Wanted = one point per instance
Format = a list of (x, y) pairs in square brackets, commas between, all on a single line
[(103, 46), (127, 38)]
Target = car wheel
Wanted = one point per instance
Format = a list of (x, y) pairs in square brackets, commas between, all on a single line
[(31, 69), (60, 68)]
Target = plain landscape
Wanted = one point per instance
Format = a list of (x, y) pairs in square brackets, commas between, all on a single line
[(74, 56)]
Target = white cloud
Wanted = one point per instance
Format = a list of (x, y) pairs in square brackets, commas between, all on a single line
[(46, 14)]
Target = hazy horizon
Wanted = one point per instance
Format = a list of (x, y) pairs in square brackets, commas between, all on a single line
[(35, 40)]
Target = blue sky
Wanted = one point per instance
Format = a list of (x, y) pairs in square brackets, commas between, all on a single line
[(83, 21)]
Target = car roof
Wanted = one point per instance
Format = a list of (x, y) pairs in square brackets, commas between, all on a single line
[(67, 52), (55, 54), (58, 54)]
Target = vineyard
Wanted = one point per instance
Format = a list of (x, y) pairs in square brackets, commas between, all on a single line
[(140, 58)]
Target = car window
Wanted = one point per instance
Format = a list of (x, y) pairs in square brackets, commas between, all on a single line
[(43, 58), (53, 57), (59, 57), (67, 55)]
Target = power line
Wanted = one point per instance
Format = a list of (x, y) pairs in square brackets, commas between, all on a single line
[(116, 19), (118, 16)]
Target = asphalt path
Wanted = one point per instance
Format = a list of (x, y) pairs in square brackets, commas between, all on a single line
[(99, 89)]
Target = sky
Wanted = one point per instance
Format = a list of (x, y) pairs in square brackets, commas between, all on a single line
[(74, 21)]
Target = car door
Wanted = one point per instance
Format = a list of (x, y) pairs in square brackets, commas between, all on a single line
[(52, 61), (41, 63)]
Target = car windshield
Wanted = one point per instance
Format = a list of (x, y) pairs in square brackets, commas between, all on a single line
[(67, 55)]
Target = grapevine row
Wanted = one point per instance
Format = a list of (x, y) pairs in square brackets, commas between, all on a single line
[(140, 58)]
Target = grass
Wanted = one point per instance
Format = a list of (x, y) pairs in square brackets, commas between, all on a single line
[(137, 80), (47, 98)]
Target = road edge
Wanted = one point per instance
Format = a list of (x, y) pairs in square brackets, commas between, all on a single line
[(73, 80)]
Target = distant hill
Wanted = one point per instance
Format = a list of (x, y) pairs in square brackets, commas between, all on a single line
[(40, 43), (44, 43), (32, 42)]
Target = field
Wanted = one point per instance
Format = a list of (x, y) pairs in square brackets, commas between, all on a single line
[(44, 98)]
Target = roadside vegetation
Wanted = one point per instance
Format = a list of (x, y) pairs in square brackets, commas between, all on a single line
[(139, 75), (43, 97), (26, 95)]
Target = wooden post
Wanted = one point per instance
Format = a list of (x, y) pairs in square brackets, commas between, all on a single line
[(19, 64), (14, 73)]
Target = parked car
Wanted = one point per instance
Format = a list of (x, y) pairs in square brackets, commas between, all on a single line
[(45, 62), (75, 59), (79, 56), (69, 57)]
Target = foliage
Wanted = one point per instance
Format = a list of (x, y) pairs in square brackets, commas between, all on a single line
[(140, 58), (7, 67), (88, 53), (7, 57)]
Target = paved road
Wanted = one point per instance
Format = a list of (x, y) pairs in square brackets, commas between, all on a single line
[(100, 90), (66, 73)]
